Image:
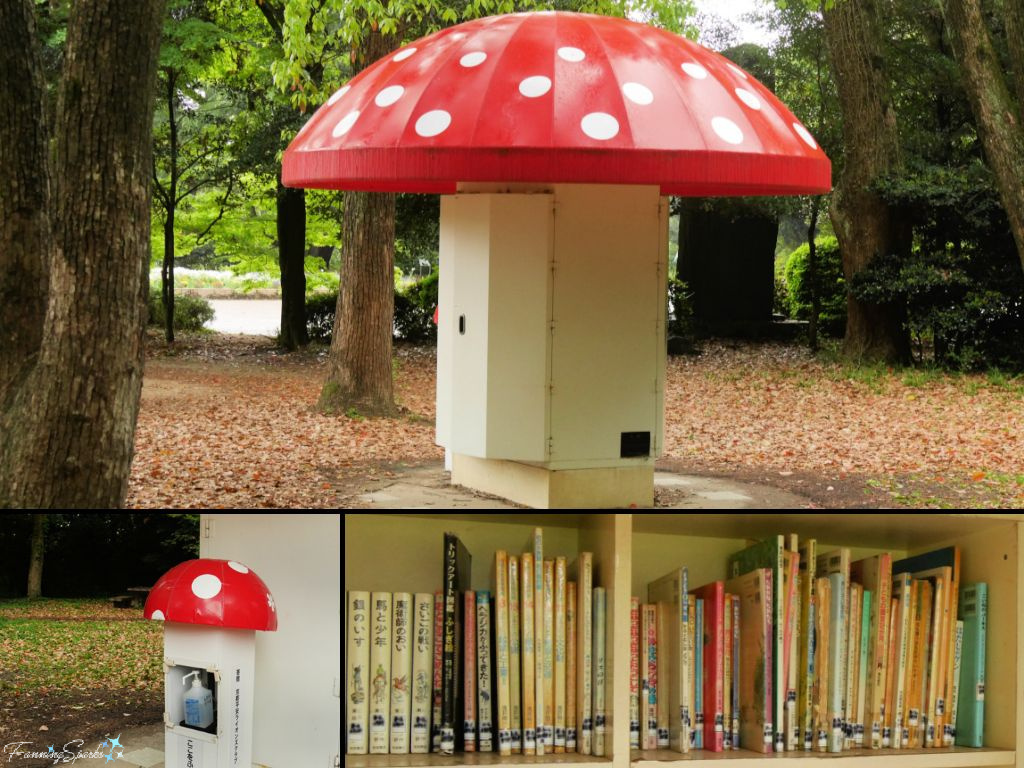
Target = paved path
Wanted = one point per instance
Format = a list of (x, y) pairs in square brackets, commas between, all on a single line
[(256, 317), (142, 747)]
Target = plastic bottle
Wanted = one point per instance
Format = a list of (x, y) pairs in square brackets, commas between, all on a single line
[(198, 703)]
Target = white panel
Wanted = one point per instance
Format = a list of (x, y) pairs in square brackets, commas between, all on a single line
[(607, 303), (299, 558), (445, 308)]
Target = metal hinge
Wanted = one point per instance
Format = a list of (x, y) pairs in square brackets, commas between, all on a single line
[(206, 529)]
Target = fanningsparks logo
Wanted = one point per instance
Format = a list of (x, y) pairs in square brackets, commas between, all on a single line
[(70, 752)]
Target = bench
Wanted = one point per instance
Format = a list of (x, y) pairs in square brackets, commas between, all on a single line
[(121, 601), (138, 595)]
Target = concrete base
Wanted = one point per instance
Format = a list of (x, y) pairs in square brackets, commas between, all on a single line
[(541, 488)]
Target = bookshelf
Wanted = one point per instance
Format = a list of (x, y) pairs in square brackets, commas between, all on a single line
[(632, 549)]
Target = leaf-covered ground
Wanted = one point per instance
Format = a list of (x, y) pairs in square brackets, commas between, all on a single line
[(228, 421)]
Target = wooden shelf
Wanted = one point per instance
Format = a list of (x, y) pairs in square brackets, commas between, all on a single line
[(631, 550)]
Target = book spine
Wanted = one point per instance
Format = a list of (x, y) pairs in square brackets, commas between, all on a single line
[(538, 641), (954, 597), (903, 655), (682, 742), (808, 561), (727, 675), (850, 682), (514, 659), (358, 663), (692, 669), (484, 673), (401, 672), (599, 670), (736, 672), (435, 723), (918, 672), (380, 663), (422, 671), (560, 640), (502, 660), (768, 734), (649, 640), (570, 666), (837, 661), (634, 673), (933, 695), (469, 672), (971, 707), (791, 644), (794, 728), (890, 678), (822, 625), (450, 652), (950, 732), (879, 656), (698, 669), (528, 678), (665, 616), (863, 706), (778, 647), (584, 655), (549, 656)]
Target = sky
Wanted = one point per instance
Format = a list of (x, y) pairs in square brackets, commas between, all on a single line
[(733, 10)]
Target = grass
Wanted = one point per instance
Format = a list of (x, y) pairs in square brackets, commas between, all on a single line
[(85, 648)]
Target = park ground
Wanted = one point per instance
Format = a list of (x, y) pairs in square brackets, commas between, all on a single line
[(229, 421)]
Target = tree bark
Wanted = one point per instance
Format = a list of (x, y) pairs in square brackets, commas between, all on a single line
[(24, 196), (865, 225), (35, 563), (73, 421), (812, 274), (291, 254), (1014, 12), (1002, 134), (167, 269)]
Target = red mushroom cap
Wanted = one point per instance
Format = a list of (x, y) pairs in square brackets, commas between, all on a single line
[(221, 593), (556, 98)]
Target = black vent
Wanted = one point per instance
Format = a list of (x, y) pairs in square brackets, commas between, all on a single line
[(635, 444)]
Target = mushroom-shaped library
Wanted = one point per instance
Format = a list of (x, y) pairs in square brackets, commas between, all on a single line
[(555, 139)]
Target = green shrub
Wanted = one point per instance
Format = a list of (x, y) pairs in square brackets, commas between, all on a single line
[(682, 335), (830, 283), (320, 315), (191, 313)]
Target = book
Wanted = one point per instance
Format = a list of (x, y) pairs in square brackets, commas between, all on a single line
[(863, 706), (570, 666), (380, 664), (822, 652), (548, 572), (536, 544), (401, 673), (584, 575), (514, 657), (698, 671), (634, 673), (649, 676), (358, 662), (600, 633), (469, 672), (903, 587), (753, 592), (875, 574), (691, 646), (940, 587), (950, 733), (422, 671), (528, 678), (769, 554), (457, 563), (484, 674), (837, 561), (805, 697), (736, 648), (559, 659), (852, 657), (671, 594), (502, 662), (727, 675), (791, 578), (918, 665), (435, 721), (892, 642), (970, 719), (713, 595)]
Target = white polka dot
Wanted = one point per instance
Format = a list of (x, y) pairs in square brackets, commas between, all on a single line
[(748, 98), (804, 134), (345, 124), (696, 71), (474, 59), (727, 130), (205, 586), (389, 96), (157, 616), (403, 55), (600, 126), (568, 53), (270, 602), (535, 86), (237, 567), (338, 94), (457, 35), (737, 70), (432, 123), (638, 94)]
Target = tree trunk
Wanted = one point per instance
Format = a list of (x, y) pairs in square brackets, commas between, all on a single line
[(1002, 134), (812, 275), (865, 225), (359, 372), (35, 563), (24, 196), (167, 269), (73, 422), (291, 254), (1015, 42)]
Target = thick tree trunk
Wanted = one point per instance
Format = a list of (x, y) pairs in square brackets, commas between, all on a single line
[(24, 196), (1002, 134), (359, 373), (812, 275), (73, 426), (167, 270), (865, 225), (35, 563), (1015, 42), (291, 254)]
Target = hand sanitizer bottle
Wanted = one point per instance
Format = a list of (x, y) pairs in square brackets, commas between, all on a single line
[(198, 703)]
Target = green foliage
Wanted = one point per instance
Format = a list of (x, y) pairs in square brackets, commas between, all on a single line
[(191, 313), (682, 333), (414, 310), (831, 286), (320, 310)]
